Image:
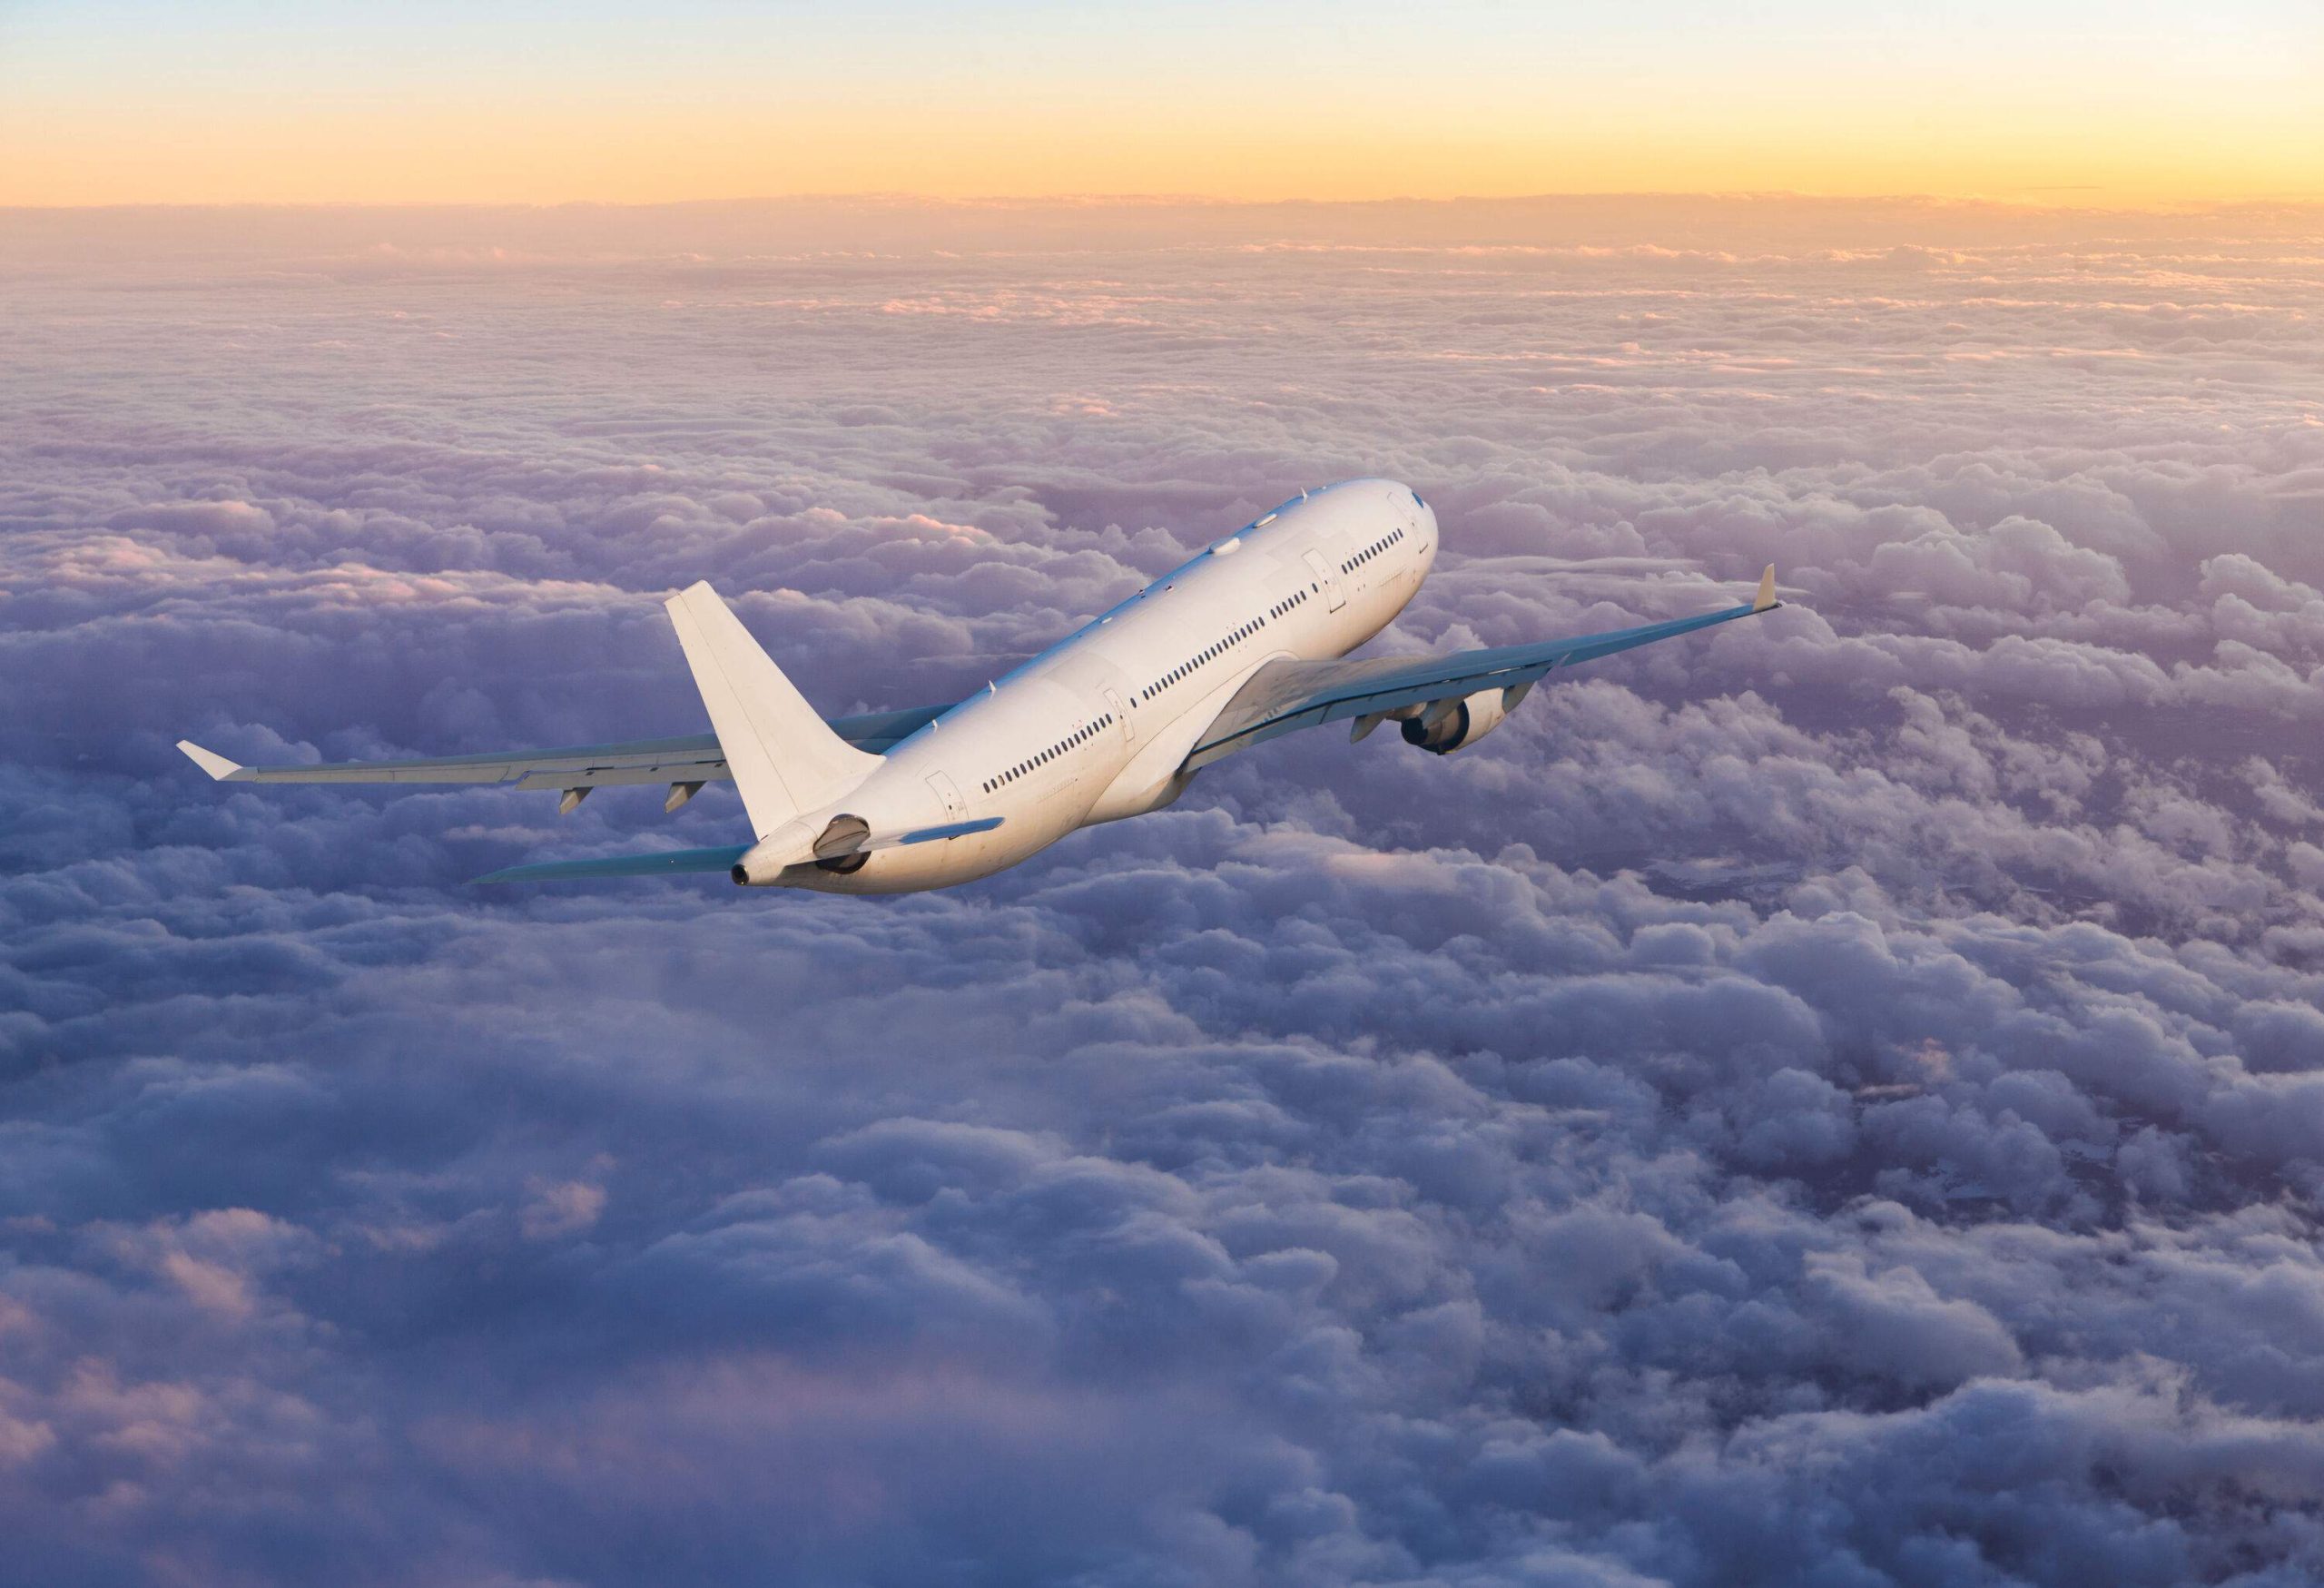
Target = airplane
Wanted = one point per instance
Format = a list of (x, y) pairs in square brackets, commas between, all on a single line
[(1246, 642)]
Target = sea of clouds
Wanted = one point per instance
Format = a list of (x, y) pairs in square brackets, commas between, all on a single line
[(1838, 1102)]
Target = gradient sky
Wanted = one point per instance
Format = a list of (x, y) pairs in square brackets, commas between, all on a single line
[(2053, 101)]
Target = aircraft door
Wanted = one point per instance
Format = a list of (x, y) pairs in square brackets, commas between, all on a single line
[(1121, 715), (1328, 578), (947, 791)]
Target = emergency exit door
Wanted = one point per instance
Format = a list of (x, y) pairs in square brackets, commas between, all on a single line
[(1328, 578)]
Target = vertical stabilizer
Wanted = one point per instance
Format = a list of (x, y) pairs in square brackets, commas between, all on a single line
[(784, 757)]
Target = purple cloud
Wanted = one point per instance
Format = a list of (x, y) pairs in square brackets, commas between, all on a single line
[(1839, 1102)]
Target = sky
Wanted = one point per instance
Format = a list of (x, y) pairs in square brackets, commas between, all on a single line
[(1835, 1102), (2111, 102)]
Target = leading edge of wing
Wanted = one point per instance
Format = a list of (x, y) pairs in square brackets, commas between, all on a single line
[(688, 757), (691, 753), (1284, 697)]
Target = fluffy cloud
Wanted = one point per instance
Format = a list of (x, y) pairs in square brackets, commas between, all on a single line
[(1836, 1102)]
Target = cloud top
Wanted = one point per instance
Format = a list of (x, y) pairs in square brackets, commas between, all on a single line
[(1836, 1102)]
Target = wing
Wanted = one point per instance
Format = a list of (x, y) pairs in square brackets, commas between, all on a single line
[(1286, 695), (691, 758)]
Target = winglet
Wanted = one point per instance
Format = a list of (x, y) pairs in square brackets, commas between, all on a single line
[(210, 761), (1766, 595)]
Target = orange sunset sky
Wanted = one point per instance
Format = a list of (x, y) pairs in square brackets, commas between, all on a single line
[(2047, 100)]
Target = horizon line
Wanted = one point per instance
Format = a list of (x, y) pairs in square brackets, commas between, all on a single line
[(1206, 200)]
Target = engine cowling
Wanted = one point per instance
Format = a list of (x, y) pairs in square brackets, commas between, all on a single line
[(1443, 729)]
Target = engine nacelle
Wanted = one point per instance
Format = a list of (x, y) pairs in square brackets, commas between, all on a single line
[(1449, 726)]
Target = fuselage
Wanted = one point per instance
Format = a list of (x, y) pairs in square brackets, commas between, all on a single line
[(1098, 727)]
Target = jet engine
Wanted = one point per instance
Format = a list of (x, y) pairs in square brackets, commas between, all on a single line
[(1447, 725)]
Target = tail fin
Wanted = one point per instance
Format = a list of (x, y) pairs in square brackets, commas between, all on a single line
[(784, 757)]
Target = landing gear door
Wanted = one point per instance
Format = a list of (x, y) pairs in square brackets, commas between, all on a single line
[(1328, 578), (947, 791), (1121, 715)]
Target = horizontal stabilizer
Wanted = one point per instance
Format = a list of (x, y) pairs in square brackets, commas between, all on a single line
[(936, 835), (663, 862), (673, 862)]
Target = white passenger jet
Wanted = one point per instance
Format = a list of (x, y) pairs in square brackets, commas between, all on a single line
[(1238, 647)]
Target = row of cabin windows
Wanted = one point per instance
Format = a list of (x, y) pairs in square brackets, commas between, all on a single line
[(1371, 551), (1080, 735), (1287, 603), (1219, 649)]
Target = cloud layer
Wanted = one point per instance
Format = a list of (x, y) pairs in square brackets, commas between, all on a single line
[(1839, 1102)]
